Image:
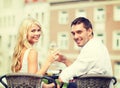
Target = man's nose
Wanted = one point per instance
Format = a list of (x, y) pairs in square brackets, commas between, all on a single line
[(76, 36)]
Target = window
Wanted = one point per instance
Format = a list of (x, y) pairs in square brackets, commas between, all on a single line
[(76, 47), (100, 36), (116, 40), (117, 72), (7, 3), (4, 21), (0, 22), (63, 17), (9, 41), (116, 13), (99, 14), (13, 20), (0, 41), (42, 17), (80, 13), (63, 40), (41, 41)]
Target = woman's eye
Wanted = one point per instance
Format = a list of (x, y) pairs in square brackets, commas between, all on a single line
[(39, 30), (33, 30)]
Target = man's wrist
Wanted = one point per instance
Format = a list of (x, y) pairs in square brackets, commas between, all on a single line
[(67, 62)]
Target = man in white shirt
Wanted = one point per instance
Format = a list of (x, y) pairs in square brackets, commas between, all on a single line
[(93, 57)]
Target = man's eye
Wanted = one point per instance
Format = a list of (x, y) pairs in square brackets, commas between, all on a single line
[(79, 32), (72, 33)]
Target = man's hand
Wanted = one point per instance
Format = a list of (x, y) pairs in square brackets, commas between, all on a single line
[(63, 59)]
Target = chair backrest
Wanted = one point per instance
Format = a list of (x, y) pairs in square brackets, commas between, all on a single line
[(94, 81), (23, 80)]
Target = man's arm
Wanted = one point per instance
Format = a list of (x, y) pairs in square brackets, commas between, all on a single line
[(61, 58)]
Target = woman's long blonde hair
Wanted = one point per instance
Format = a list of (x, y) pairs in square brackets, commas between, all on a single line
[(22, 42)]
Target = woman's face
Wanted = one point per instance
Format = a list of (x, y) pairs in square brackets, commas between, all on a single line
[(34, 34)]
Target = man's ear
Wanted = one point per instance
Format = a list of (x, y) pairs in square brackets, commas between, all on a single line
[(90, 31)]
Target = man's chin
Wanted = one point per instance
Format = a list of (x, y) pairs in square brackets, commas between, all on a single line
[(79, 45)]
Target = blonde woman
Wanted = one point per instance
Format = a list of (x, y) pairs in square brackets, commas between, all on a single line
[(25, 57)]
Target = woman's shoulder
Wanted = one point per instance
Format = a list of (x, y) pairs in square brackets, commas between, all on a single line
[(32, 50), (32, 53)]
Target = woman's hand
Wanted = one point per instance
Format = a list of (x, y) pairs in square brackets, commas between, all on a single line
[(53, 55), (50, 59)]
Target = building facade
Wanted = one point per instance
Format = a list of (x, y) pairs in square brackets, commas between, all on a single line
[(105, 17), (55, 18)]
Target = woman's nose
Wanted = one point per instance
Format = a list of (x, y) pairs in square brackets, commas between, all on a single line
[(37, 32)]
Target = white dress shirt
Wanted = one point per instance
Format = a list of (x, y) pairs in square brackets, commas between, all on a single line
[(93, 59)]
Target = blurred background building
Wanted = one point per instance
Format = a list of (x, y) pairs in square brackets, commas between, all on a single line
[(55, 17)]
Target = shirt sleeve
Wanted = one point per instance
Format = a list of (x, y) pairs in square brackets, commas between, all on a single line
[(79, 67)]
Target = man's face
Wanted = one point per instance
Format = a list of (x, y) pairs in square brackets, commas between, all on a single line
[(80, 34)]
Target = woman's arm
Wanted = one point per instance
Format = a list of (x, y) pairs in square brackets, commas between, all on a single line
[(33, 66), (46, 65), (50, 59)]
